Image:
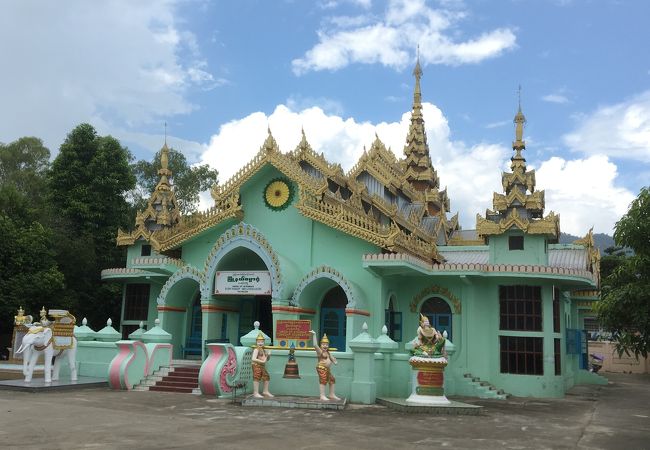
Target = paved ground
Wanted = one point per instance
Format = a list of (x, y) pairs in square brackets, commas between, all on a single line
[(616, 416)]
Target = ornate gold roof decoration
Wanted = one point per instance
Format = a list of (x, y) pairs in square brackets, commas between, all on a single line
[(521, 206), (594, 252), (396, 214), (162, 208), (416, 166), (549, 225)]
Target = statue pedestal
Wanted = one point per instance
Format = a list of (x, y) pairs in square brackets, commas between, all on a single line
[(427, 379)]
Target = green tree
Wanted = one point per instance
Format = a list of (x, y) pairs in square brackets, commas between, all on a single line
[(29, 276), (613, 257), (189, 181), (87, 183), (625, 306), (23, 166)]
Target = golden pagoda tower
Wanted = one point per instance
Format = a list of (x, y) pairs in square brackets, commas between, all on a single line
[(417, 163), (162, 207), (521, 206)]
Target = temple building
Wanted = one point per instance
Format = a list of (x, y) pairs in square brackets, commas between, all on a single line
[(293, 236)]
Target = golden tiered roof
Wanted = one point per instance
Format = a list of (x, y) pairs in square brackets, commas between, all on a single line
[(161, 211), (416, 165), (521, 206), (394, 214)]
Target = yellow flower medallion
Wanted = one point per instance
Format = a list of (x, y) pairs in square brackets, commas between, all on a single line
[(278, 194)]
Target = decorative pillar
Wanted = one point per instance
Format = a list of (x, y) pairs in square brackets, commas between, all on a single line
[(156, 335), (249, 339), (137, 334), (364, 387), (387, 346), (108, 333)]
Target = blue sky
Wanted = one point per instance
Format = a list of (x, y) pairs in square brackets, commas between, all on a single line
[(221, 72)]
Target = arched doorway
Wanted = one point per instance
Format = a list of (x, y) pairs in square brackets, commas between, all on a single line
[(439, 314), (251, 307), (332, 317), (194, 334)]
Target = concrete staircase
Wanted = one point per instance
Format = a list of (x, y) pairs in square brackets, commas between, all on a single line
[(181, 377), (472, 386)]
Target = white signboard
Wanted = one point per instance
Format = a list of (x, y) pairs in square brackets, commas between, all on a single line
[(256, 282)]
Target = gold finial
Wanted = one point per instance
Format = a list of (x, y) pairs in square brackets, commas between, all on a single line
[(519, 121), (165, 132), (43, 314), (417, 73), (164, 158)]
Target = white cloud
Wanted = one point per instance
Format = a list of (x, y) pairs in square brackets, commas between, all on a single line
[(555, 98), (391, 40), (619, 131), (498, 124), (120, 64), (583, 191)]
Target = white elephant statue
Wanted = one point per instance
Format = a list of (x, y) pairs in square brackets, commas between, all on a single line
[(39, 340)]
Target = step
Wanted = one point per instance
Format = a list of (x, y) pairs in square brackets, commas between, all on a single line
[(181, 377), (185, 370), (183, 384), (186, 362), (180, 390)]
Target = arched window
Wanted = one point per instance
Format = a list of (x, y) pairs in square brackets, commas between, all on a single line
[(439, 314), (393, 320), (332, 317)]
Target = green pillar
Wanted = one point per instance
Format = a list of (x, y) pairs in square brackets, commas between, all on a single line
[(387, 346), (364, 387)]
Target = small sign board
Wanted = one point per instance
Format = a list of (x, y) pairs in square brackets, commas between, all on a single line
[(292, 329), (255, 282), (294, 332)]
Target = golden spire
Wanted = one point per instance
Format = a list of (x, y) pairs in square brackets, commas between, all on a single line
[(520, 206), (416, 146), (519, 144), (417, 93)]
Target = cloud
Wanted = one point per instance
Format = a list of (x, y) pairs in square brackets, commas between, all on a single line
[(574, 188), (618, 131), (555, 98), (391, 39), (584, 192), (120, 64), (498, 124)]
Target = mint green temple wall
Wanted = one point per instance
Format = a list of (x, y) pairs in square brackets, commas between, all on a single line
[(304, 242), (476, 332), (301, 244), (534, 253)]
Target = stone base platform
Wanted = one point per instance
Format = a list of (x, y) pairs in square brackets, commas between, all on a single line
[(38, 384), (287, 401), (14, 371), (452, 409)]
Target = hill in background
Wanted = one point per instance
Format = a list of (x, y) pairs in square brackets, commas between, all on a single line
[(601, 240)]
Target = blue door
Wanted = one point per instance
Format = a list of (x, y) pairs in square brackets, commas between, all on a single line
[(332, 323), (194, 338)]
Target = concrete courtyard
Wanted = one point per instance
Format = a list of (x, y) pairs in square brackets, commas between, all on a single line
[(616, 416)]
